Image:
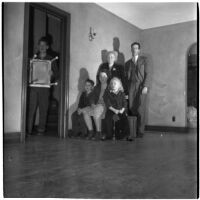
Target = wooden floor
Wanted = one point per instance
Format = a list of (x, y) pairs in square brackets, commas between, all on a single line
[(156, 166)]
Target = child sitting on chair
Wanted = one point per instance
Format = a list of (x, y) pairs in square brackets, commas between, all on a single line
[(79, 127), (116, 116)]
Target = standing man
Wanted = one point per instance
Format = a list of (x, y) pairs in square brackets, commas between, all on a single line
[(137, 79), (39, 96)]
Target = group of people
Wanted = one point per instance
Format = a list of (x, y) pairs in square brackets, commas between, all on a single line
[(120, 91), (103, 109)]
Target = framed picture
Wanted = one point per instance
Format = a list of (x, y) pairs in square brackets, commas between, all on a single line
[(40, 73)]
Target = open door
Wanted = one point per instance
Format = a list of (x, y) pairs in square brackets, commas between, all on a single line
[(45, 20), (192, 86)]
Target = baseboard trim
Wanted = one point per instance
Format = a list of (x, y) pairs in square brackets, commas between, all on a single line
[(13, 136), (167, 129)]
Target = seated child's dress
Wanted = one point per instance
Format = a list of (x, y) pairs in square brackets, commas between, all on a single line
[(78, 124), (118, 102)]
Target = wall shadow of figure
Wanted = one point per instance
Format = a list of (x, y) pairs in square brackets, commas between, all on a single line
[(104, 54), (120, 57), (83, 76)]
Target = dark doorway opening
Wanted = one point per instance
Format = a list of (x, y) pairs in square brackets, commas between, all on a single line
[(45, 20), (192, 86)]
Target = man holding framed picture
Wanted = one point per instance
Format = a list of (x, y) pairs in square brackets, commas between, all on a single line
[(43, 70)]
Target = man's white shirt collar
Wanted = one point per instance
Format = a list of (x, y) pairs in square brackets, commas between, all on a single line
[(135, 58)]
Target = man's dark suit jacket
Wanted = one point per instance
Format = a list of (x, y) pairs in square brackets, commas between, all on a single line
[(137, 73)]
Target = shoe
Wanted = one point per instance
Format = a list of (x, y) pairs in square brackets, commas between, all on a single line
[(98, 135), (40, 133), (28, 135), (90, 135), (103, 137), (129, 139), (139, 135)]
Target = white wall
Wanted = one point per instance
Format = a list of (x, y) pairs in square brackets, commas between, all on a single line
[(13, 52), (167, 47)]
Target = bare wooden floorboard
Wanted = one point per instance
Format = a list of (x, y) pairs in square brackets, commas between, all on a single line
[(155, 166)]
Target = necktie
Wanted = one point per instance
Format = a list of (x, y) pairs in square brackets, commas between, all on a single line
[(135, 60), (136, 66)]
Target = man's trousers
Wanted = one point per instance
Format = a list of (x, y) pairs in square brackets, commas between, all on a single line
[(137, 106), (38, 97)]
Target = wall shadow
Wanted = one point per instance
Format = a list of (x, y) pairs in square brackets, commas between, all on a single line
[(116, 46), (104, 54), (83, 76)]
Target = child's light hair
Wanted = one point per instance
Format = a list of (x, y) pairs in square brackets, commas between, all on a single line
[(120, 84)]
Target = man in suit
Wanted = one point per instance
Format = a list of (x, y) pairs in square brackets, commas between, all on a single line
[(137, 80)]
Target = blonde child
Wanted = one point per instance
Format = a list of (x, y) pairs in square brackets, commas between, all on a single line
[(116, 105), (79, 127)]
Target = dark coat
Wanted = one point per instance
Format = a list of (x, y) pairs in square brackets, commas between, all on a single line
[(85, 100), (117, 101), (137, 73)]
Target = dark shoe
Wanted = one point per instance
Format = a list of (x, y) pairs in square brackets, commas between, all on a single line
[(139, 135), (28, 135), (90, 135), (129, 139), (103, 137), (40, 133), (98, 135)]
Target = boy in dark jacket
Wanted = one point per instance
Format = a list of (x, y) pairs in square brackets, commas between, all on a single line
[(79, 127)]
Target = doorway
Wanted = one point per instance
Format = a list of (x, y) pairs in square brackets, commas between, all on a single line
[(192, 87), (45, 20)]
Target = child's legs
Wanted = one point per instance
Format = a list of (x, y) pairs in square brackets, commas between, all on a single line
[(97, 122), (98, 111), (82, 125), (88, 120), (124, 125), (109, 124)]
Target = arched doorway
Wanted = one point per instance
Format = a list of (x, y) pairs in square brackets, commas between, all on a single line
[(192, 86)]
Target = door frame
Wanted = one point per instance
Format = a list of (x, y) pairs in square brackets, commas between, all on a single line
[(64, 67), (186, 82)]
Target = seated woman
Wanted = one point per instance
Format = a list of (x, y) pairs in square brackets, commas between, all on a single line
[(97, 109), (116, 105), (79, 127), (114, 69)]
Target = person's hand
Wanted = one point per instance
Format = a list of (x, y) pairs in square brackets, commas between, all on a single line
[(121, 111), (93, 106), (79, 111), (126, 97), (50, 73), (144, 90), (116, 111)]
